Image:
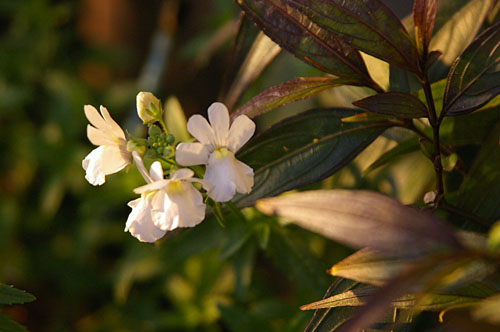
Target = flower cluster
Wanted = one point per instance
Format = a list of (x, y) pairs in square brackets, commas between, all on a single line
[(171, 197)]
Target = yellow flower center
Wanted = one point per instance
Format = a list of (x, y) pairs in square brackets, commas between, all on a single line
[(175, 187), (221, 153)]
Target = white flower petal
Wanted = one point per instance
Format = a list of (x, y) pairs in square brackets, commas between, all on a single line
[(92, 164), (189, 154), (243, 177), (199, 128), (116, 130), (156, 185), (206, 185), (156, 171), (94, 117), (221, 174), (140, 166), (99, 137), (114, 159), (242, 129), (140, 223), (166, 212), (219, 119), (182, 174)]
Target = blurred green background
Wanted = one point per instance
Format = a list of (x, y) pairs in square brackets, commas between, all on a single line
[(62, 239)]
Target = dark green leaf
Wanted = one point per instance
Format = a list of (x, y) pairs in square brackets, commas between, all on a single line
[(11, 295), (348, 216), (480, 191), (8, 325), (296, 33), (368, 25), (424, 14), (288, 92), (304, 149), (239, 320), (474, 78), (398, 104)]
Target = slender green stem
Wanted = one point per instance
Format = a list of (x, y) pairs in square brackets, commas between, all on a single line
[(163, 126), (435, 123)]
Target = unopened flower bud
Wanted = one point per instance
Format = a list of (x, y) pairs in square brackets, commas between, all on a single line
[(154, 131), (148, 107), (139, 145)]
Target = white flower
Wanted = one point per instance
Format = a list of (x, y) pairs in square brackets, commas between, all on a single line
[(111, 156), (165, 204), (216, 148)]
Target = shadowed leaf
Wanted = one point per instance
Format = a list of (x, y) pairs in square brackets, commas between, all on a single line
[(288, 92), (474, 78), (424, 14), (296, 33), (368, 25), (348, 216), (11, 295), (398, 104), (8, 325), (304, 149)]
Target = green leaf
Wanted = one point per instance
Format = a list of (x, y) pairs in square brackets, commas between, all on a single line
[(398, 104), (494, 237), (368, 25), (175, 119), (8, 325), (457, 24), (262, 52), (11, 295), (288, 92), (474, 78), (239, 320), (403, 148), (424, 14), (304, 149), (347, 216), (297, 34), (480, 191)]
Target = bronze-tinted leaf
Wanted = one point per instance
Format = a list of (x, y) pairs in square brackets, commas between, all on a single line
[(398, 104), (424, 14)]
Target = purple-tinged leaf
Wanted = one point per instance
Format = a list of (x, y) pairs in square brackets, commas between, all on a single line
[(364, 219), (424, 14), (304, 149), (297, 34), (398, 104), (288, 92), (368, 25), (474, 77)]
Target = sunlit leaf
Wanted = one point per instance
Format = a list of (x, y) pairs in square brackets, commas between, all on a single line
[(474, 77), (398, 104), (175, 119), (262, 52), (368, 25), (424, 14), (11, 295), (403, 148), (488, 310), (304, 149), (457, 24), (288, 92), (296, 33), (348, 216)]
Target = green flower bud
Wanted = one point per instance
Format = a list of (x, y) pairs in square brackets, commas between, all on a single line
[(154, 131), (170, 139), (148, 107), (137, 144)]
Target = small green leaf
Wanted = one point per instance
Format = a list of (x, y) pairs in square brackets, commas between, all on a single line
[(494, 237), (474, 77), (288, 92), (297, 34), (304, 149), (11, 295), (175, 120), (348, 215), (8, 325), (398, 104)]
